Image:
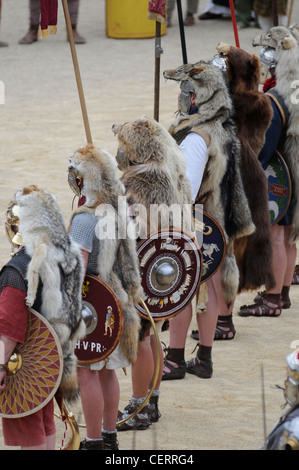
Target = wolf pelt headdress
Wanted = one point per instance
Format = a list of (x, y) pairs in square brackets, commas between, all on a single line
[(155, 174), (285, 41), (221, 190), (117, 258), (57, 263), (253, 114)]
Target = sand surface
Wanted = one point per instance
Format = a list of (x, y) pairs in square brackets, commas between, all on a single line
[(41, 125)]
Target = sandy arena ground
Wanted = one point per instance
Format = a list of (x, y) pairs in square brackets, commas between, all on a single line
[(41, 125)]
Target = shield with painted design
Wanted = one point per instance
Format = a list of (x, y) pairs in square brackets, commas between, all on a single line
[(34, 370), (103, 316), (211, 240), (279, 187), (170, 264)]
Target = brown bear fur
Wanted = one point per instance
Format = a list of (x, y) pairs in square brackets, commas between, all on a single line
[(253, 114)]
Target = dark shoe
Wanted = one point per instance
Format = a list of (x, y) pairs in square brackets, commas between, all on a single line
[(225, 328), (3, 44), (189, 21), (139, 422), (262, 308), (31, 36), (78, 39), (284, 303), (92, 445), (154, 413), (202, 368), (110, 440), (209, 16), (175, 372)]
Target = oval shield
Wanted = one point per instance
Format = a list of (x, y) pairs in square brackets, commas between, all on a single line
[(103, 315), (211, 240), (279, 187), (34, 370), (170, 265)]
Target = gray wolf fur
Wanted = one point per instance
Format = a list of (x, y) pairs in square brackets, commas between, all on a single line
[(55, 261), (286, 72), (156, 174), (222, 189), (117, 258)]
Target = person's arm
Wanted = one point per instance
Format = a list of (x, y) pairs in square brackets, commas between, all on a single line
[(196, 153)]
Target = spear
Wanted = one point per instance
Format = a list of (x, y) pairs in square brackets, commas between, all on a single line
[(76, 69), (290, 12), (233, 15), (274, 13), (182, 31)]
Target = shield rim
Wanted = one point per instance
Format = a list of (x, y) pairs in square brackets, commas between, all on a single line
[(209, 216), (283, 162), (158, 317), (120, 331), (55, 388)]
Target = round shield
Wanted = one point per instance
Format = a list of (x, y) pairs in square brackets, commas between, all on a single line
[(34, 370), (103, 316), (279, 187), (170, 265), (210, 237)]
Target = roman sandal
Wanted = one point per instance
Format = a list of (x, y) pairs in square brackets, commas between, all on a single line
[(268, 305), (225, 328), (174, 364), (201, 365)]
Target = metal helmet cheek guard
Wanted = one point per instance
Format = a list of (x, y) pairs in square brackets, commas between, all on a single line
[(75, 181), (185, 96), (291, 391), (268, 60), (11, 225)]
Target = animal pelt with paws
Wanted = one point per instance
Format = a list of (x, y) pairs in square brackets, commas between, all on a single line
[(253, 114), (221, 191), (285, 42), (117, 257), (155, 174), (57, 264)]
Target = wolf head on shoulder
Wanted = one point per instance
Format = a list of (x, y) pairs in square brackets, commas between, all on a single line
[(209, 86), (93, 174), (40, 218)]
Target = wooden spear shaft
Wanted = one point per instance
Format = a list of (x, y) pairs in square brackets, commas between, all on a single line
[(158, 50), (76, 69)]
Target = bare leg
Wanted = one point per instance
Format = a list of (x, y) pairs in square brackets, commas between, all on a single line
[(92, 401)]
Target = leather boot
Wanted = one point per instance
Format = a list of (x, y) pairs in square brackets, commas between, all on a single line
[(78, 39), (31, 36)]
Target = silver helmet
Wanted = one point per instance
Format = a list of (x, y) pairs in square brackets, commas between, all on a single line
[(219, 61), (268, 57)]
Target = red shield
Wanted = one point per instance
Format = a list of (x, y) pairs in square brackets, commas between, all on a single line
[(103, 316)]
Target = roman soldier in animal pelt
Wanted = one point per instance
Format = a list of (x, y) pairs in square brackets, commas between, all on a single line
[(45, 273), (282, 136), (253, 113), (205, 129), (153, 173), (101, 227), (52, 260)]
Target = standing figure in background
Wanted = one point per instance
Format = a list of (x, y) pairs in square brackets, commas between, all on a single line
[(264, 13), (2, 43), (34, 19)]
